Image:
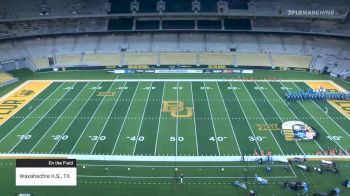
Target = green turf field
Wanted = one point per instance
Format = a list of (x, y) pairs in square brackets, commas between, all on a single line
[(138, 117), (77, 118)]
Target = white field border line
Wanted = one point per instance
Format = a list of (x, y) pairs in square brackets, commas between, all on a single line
[(121, 128), (194, 119), (53, 106), (256, 106), (277, 158), (14, 128), (178, 166), (14, 91), (160, 116), (233, 131), (180, 80), (88, 123), (211, 118), (338, 86), (293, 115), (74, 118), (187, 177), (105, 124), (143, 115), (317, 121), (49, 129), (245, 116)]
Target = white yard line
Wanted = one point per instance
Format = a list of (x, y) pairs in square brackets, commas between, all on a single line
[(262, 116), (277, 114), (121, 128), (211, 118), (319, 123), (29, 114), (295, 116), (177, 119), (245, 116), (194, 119), (105, 124), (233, 131), (160, 116), (49, 129), (90, 119), (73, 120), (42, 118), (143, 115)]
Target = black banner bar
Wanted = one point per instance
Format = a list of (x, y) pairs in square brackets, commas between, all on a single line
[(46, 163)]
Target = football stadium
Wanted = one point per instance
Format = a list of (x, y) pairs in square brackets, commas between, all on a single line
[(174, 97)]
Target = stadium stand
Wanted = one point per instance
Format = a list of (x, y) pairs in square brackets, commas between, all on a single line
[(216, 58), (68, 60), (178, 24), (140, 58), (147, 25), (138, 43), (120, 6), (218, 43), (6, 78), (38, 8), (109, 44), (40, 62), (178, 59), (120, 24), (102, 59), (209, 24), (322, 52), (178, 6), (237, 24), (252, 59), (238, 4), (191, 42), (208, 5), (291, 61), (147, 6), (162, 42)]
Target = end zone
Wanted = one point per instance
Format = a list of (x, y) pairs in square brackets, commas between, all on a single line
[(343, 106), (14, 101)]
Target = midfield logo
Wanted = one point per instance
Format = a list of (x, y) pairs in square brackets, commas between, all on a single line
[(175, 107)]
